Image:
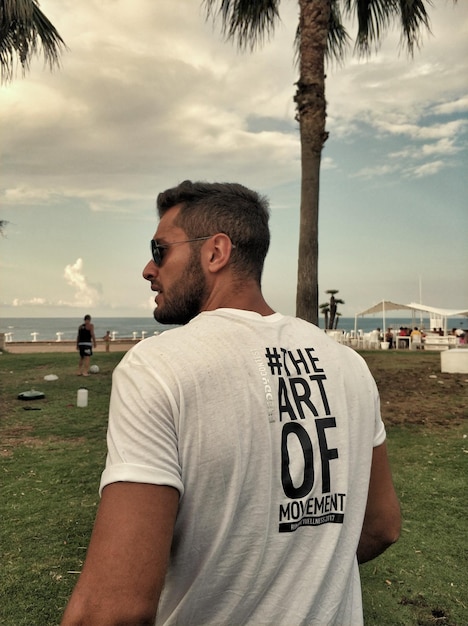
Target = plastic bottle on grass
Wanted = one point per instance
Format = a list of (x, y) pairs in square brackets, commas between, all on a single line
[(82, 397)]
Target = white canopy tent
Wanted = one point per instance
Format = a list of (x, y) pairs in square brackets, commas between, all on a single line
[(440, 314), (381, 307), (434, 312)]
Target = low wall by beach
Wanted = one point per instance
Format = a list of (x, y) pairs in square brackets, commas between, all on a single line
[(30, 347)]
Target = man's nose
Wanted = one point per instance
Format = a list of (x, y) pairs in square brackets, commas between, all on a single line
[(150, 270)]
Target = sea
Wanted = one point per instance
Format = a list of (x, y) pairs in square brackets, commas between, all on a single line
[(65, 328)]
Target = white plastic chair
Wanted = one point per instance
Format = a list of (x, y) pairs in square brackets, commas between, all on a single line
[(374, 339)]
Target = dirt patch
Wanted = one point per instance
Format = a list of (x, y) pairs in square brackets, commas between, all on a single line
[(416, 392), (20, 436)]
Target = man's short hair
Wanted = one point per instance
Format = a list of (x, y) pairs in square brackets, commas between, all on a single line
[(229, 208)]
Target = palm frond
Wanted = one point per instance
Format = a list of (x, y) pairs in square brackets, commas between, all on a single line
[(247, 21), (375, 16), (413, 15), (24, 29), (338, 38), (3, 225)]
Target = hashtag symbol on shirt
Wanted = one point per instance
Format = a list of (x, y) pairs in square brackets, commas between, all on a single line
[(274, 360)]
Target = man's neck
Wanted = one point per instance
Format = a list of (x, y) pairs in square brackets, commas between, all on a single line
[(247, 298)]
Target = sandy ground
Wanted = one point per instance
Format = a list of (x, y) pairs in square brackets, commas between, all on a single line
[(25, 347)]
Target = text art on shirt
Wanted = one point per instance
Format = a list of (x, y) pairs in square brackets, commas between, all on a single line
[(299, 377)]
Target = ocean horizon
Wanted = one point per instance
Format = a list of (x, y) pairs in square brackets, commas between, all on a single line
[(65, 328)]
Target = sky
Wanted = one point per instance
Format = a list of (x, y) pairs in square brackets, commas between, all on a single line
[(149, 94)]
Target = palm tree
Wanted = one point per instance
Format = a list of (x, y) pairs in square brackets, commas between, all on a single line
[(325, 309), (22, 26), (329, 309), (337, 319), (320, 34)]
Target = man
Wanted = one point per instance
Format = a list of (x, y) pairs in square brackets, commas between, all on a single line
[(416, 337), (85, 341), (247, 472)]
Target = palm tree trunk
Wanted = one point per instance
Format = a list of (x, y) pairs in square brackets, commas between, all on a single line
[(311, 113)]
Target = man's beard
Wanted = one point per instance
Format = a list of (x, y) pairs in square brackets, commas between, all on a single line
[(185, 298)]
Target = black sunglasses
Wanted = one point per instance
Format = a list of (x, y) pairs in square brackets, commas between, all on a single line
[(157, 249)]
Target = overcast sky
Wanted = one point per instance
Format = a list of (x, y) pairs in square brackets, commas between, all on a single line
[(149, 95)]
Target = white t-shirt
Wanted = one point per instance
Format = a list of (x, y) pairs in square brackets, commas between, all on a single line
[(266, 427)]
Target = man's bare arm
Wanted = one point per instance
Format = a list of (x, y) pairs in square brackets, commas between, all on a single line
[(127, 557), (382, 521)]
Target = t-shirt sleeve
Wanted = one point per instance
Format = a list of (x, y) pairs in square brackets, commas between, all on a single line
[(142, 442), (365, 381), (379, 432)]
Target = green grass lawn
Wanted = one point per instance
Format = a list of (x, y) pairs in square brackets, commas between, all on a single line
[(51, 460), (423, 579)]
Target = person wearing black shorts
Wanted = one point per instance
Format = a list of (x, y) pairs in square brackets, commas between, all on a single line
[(85, 341)]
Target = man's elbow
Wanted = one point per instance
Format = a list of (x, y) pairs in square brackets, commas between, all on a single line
[(389, 535), (376, 538), (394, 533), (390, 526)]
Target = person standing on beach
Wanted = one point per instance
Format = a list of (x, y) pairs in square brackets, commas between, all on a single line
[(247, 472), (85, 341), (107, 340)]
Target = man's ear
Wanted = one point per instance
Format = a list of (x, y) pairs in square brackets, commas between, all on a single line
[(218, 252)]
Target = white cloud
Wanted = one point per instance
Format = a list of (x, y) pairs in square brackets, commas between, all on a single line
[(443, 147), (377, 170), (131, 98), (414, 131), (428, 169), (85, 295), (25, 194), (17, 302), (460, 105), (327, 163)]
